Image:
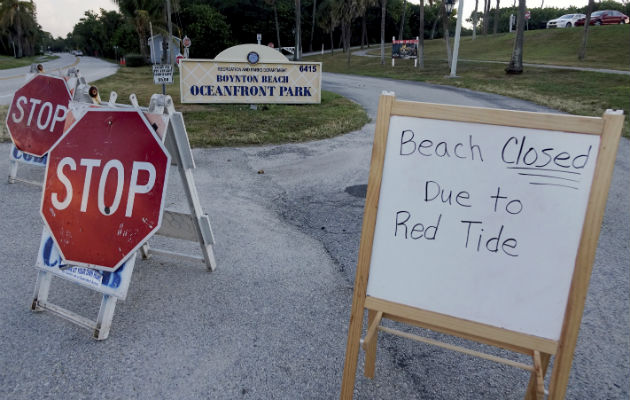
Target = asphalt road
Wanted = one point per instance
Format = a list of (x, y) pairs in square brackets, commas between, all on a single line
[(90, 67), (271, 321)]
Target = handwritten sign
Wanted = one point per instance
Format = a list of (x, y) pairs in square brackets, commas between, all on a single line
[(481, 221), (482, 224)]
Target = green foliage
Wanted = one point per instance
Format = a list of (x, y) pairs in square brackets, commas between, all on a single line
[(135, 60), (207, 29), (19, 32)]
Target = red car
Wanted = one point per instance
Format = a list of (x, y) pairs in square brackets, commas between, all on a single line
[(605, 17)]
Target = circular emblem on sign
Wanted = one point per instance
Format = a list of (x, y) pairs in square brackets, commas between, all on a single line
[(253, 57)]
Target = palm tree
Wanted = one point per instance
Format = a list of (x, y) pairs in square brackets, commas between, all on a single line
[(273, 3), (18, 21), (582, 52), (445, 16), (421, 37), (297, 55), (327, 20), (496, 19), (475, 18), (383, 12), (346, 11), (141, 13), (516, 63), (310, 44), (401, 29), (363, 5)]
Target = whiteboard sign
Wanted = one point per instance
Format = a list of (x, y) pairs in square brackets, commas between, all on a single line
[(481, 222)]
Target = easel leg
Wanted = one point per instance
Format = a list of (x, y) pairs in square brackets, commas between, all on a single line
[(42, 287), (208, 256), (352, 349), (13, 167), (144, 250), (105, 315), (370, 342), (536, 388)]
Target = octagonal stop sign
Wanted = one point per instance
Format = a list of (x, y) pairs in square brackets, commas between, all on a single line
[(104, 187), (36, 116)]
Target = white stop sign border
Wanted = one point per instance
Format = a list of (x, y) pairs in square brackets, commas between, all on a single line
[(164, 188)]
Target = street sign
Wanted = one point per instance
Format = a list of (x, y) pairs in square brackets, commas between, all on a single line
[(178, 58), (528, 15), (162, 74), (186, 41), (104, 187), (36, 116)]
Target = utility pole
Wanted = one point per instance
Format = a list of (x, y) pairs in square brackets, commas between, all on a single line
[(170, 38)]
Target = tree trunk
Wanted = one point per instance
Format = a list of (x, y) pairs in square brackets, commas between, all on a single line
[(475, 19), (401, 30), (516, 63), (310, 45), (421, 37), (332, 42), (383, 12), (486, 16), (348, 37), (275, 17), (582, 52), (435, 22), (449, 55), (496, 19), (297, 55), (364, 39)]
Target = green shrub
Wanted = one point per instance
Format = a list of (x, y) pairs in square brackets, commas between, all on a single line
[(134, 60)]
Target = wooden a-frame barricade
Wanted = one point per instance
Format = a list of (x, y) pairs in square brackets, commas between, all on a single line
[(608, 128), (193, 226)]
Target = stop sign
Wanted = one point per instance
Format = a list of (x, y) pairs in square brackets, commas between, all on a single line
[(104, 187), (36, 116)]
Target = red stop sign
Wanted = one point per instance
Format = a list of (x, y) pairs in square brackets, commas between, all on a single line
[(104, 187), (36, 116)]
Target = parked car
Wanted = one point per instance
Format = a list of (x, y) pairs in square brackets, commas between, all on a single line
[(566, 21), (605, 17)]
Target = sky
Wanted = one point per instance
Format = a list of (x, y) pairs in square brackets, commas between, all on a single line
[(59, 16)]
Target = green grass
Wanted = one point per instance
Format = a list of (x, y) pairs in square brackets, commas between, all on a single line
[(7, 62), (575, 92), (234, 125), (4, 134), (607, 47)]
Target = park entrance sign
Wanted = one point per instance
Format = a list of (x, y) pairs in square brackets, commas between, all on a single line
[(250, 74), (104, 188), (37, 113)]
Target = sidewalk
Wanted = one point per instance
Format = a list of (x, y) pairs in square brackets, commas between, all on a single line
[(363, 53)]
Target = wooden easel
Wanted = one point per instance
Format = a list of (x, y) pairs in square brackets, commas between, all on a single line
[(608, 128)]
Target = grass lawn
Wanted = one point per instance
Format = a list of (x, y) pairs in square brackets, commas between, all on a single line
[(7, 62), (235, 125), (575, 92)]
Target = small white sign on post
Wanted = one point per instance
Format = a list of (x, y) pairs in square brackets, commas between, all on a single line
[(163, 74)]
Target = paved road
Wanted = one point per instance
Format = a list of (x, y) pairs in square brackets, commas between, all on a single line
[(271, 322), (90, 67)]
